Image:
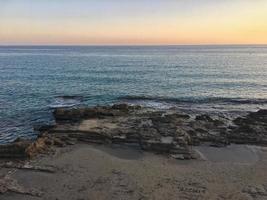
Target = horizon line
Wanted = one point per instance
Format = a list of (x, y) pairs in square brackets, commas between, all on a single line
[(106, 45)]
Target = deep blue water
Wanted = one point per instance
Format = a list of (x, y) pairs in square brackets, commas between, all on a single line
[(34, 79)]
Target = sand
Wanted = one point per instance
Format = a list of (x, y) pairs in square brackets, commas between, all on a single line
[(85, 172)]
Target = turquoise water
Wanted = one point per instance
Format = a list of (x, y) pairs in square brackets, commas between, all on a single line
[(33, 80)]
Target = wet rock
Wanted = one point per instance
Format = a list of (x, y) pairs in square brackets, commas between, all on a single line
[(151, 130), (76, 114), (251, 129), (167, 132), (204, 118), (91, 137), (253, 118), (260, 115), (17, 149), (43, 128), (255, 191), (175, 117), (23, 149), (121, 106), (125, 107)]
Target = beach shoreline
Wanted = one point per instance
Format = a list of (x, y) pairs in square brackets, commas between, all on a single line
[(132, 152)]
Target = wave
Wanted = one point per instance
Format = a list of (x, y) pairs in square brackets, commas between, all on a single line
[(66, 101), (193, 100), (78, 97)]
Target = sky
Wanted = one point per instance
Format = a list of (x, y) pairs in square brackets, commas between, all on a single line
[(132, 22)]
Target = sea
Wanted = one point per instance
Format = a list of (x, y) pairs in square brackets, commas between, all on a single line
[(34, 80)]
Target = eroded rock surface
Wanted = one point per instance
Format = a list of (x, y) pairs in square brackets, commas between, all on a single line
[(251, 129), (162, 131), (8, 184)]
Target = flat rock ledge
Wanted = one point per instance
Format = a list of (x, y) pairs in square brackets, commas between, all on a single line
[(166, 132)]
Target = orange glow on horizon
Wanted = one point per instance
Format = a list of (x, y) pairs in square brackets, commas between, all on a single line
[(222, 26)]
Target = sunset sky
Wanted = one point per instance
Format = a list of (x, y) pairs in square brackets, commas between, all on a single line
[(85, 22)]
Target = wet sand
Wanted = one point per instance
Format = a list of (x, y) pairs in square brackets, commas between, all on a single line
[(86, 172), (245, 154)]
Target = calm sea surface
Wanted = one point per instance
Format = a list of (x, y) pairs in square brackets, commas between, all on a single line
[(34, 80)]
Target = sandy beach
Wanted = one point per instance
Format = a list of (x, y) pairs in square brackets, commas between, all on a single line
[(130, 152), (83, 171)]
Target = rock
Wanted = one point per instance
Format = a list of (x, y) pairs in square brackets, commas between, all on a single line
[(122, 107), (166, 132), (70, 142), (156, 131), (176, 116), (43, 128), (117, 139), (204, 117), (76, 114), (26, 148), (260, 115), (156, 146), (91, 137), (255, 191), (178, 156), (17, 149), (59, 143), (251, 129), (39, 146), (8, 184), (219, 144), (166, 140), (27, 166)]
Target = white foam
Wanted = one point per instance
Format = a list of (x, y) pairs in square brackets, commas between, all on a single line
[(61, 102), (152, 104)]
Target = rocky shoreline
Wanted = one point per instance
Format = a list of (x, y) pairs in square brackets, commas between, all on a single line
[(138, 153), (167, 132)]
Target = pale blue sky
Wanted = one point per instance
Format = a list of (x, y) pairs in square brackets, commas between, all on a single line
[(96, 8)]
